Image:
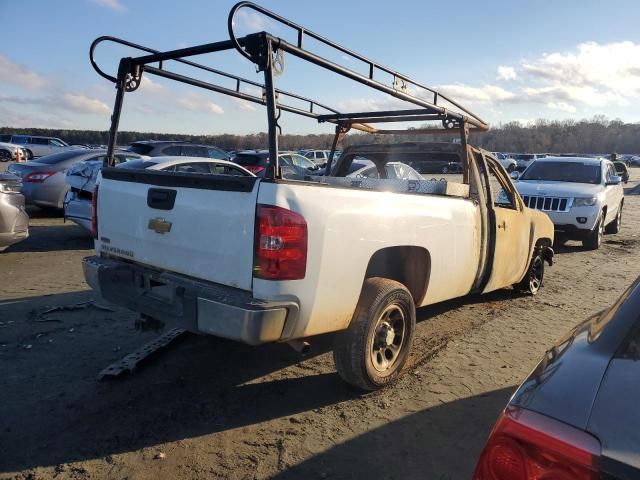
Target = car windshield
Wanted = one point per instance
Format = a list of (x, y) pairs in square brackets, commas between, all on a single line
[(61, 157), (139, 164), (563, 171), (247, 159), (140, 148)]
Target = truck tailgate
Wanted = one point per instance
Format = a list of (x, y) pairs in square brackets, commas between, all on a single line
[(196, 225)]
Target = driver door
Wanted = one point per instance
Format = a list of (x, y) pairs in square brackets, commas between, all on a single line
[(509, 230)]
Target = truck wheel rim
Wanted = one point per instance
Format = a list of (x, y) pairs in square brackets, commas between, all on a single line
[(535, 277), (388, 338)]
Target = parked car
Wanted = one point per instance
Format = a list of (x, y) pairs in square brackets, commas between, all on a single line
[(582, 196), (292, 164), (319, 157), (43, 179), (392, 171), (81, 179), (157, 148), (37, 146), (622, 171), (11, 153), (249, 256), (14, 221), (523, 160), (576, 416), (634, 161), (508, 163), (436, 162)]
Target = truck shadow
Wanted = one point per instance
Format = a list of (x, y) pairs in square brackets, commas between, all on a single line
[(443, 442), (55, 411)]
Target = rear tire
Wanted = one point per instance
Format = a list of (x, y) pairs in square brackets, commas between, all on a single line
[(29, 154), (5, 156), (511, 168), (370, 354), (614, 227), (594, 240), (532, 281)]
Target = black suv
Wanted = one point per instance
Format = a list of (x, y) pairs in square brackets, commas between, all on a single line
[(157, 148)]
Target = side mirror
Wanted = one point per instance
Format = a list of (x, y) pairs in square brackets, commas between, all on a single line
[(515, 175), (614, 180)]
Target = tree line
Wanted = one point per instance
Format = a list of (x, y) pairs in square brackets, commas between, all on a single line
[(596, 135)]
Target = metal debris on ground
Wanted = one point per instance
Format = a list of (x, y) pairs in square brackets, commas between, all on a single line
[(131, 361), (75, 306)]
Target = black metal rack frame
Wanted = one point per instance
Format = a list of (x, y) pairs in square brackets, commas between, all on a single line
[(266, 52)]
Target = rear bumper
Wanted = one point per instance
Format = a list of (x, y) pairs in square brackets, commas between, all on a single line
[(197, 306)]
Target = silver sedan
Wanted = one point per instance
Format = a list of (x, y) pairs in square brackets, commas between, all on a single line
[(14, 221), (43, 179)]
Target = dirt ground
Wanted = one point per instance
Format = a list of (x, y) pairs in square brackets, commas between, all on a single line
[(209, 408)]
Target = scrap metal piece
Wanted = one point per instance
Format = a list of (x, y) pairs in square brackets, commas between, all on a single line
[(131, 361)]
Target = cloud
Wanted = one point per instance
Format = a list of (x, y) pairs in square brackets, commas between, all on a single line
[(149, 86), (81, 103), (15, 74), (506, 73), (111, 4), (251, 21), (199, 103), (244, 104), (562, 106), (65, 101), (487, 93)]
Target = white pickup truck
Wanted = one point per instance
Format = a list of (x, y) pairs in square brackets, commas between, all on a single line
[(276, 261), (283, 258)]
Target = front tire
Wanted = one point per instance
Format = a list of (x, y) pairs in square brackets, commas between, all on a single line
[(5, 156), (375, 347), (594, 240), (532, 280), (614, 227)]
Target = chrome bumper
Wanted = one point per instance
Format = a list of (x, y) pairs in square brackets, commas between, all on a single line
[(197, 306)]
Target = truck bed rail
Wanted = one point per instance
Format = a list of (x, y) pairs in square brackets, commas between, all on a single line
[(266, 52)]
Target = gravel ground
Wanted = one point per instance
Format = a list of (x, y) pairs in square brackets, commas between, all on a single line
[(206, 407)]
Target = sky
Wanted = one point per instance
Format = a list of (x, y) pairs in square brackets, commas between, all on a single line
[(505, 60)]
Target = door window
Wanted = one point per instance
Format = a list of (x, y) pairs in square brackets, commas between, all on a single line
[(195, 167), (193, 151), (39, 141), (501, 190), (174, 150), (55, 143), (216, 153)]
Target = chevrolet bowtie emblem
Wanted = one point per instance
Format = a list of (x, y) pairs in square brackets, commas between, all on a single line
[(159, 225)]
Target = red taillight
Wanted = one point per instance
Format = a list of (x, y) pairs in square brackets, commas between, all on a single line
[(525, 445), (280, 244), (94, 213), (255, 168), (37, 177)]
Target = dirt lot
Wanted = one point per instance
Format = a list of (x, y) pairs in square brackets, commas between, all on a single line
[(211, 408)]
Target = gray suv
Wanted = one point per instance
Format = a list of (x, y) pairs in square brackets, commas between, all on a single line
[(157, 148), (37, 146)]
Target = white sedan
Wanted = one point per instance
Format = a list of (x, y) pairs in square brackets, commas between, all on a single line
[(81, 179)]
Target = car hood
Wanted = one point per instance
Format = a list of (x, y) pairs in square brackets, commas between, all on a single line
[(585, 381), (557, 189)]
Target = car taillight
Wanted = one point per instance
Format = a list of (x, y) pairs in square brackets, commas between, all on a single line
[(255, 168), (525, 445), (94, 213), (280, 244), (37, 177)]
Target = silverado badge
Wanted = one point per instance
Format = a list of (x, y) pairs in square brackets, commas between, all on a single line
[(159, 225)]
